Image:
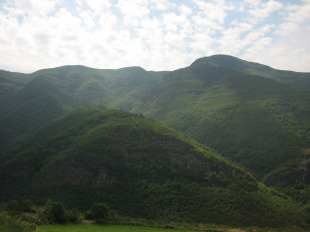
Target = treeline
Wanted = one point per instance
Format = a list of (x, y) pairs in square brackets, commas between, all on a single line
[(23, 216)]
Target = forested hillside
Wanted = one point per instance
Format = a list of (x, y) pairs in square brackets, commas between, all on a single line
[(138, 167), (29, 100), (257, 117), (253, 120)]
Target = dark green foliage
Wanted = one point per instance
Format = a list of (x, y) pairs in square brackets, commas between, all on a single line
[(239, 108), (28, 101), (9, 224), (54, 213), (99, 212), (254, 120), (140, 169), (16, 207), (300, 80), (250, 113), (22, 215), (37, 103), (120, 88)]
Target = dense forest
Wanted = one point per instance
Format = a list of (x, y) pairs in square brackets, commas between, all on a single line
[(221, 141)]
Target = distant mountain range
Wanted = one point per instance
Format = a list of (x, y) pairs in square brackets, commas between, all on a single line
[(253, 115)]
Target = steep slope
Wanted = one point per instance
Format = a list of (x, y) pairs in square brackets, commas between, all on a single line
[(296, 79), (113, 88), (253, 120), (10, 84), (28, 101), (36, 103), (140, 168)]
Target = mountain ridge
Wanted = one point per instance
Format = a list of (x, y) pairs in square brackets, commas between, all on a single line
[(253, 115), (300, 79)]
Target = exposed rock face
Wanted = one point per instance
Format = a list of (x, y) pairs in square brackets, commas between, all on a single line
[(63, 172), (298, 172), (102, 179), (95, 173)]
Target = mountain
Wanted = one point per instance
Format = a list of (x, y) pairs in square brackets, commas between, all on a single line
[(139, 168), (258, 122), (10, 83), (30, 100), (296, 79), (113, 88), (36, 103), (249, 113)]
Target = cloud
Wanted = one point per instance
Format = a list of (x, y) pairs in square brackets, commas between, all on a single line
[(298, 13), (213, 11), (290, 52), (294, 17), (173, 22), (99, 6), (161, 4), (263, 10), (154, 34), (242, 37), (36, 7), (133, 11)]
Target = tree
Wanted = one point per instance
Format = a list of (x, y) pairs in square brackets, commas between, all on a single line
[(19, 206), (99, 212), (55, 212)]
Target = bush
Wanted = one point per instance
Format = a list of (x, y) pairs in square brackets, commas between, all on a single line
[(55, 212), (9, 224), (16, 207), (71, 216), (98, 212)]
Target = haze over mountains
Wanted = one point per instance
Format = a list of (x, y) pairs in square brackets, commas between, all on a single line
[(253, 115)]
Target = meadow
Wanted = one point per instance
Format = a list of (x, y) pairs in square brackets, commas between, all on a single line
[(102, 228), (130, 228)]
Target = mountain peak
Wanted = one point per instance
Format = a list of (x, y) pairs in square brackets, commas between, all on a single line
[(231, 62)]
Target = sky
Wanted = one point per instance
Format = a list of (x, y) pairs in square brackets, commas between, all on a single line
[(154, 34)]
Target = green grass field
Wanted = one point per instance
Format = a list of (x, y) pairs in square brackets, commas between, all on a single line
[(102, 228)]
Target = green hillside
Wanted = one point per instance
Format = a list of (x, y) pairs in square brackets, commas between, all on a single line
[(10, 84), (255, 121), (36, 103), (28, 101), (139, 168), (113, 88), (296, 79)]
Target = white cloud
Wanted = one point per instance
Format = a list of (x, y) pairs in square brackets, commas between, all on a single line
[(185, 10), (287, 28), (99, 6), (291, 52), (173, 22), (213, 11), (201, 43), (253, 2), (231, 40), (37, 7), (295, 16), (298, 13), (161, 4), (263, 10), (133, 11), (154, 34)]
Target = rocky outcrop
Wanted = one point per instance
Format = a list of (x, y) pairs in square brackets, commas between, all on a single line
[(290, 174), (63, 172)]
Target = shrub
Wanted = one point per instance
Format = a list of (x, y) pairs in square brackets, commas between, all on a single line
[(9, 224), (98, 212)]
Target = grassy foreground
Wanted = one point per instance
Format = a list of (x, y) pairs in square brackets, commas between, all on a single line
[(102, 228), (127, 228)]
